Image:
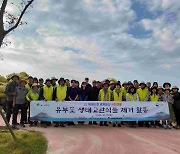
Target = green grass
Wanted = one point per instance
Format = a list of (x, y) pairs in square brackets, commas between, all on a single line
[(27, 143)]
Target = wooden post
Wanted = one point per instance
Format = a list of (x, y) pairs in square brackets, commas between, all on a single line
[(7, 124)]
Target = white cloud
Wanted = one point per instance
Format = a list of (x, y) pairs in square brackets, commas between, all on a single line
[(76, 39), (166, 66)]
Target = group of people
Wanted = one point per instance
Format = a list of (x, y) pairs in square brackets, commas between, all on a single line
[(20, 94)]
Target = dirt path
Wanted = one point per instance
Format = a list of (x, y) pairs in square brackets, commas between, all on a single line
[(85, 139)]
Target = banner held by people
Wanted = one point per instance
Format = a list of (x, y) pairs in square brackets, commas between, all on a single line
[(98, 111)]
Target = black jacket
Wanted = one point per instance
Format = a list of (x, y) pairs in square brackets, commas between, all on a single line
[(93, 94), (176, 100)]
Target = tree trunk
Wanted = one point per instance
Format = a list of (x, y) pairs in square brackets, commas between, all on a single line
[(1, 41)]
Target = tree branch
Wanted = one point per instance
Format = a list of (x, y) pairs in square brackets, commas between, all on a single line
[(3, 6), (20, 17)]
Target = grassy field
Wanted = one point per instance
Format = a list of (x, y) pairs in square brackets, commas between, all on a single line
[(27, 143)]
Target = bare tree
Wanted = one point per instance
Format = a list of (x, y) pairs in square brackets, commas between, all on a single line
[(12, 22)]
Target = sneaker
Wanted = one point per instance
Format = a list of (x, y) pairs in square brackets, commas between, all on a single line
[(44, 125), (62, 125), (90, 123), (22, 125), (14, 126), (119, 125), (169, 127), (157, 127), (95, 123), (73, 124), (165, 126), (105, 124), (177, 127), (114, 125), (56, 125), (25, 122), (101, 124), (31, 125), (49, 124)]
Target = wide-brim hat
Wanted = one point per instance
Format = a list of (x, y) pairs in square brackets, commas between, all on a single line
[(166, 83), (41, 79), (142, 83), (105, 83), (112, 82), (47, 80), (175, 87), (30, 77), (125, 83), (34, 84), (61, 79), (15, 75), (54, 78)]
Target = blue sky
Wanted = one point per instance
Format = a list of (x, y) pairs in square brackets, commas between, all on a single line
[(124, 39)]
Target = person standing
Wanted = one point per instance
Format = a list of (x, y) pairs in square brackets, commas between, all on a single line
[(19, 102), (53, 82), (104, 95), (143, 94), (155, 84), (117, 96), (94, 92), (112, 86), (83, 95), (67, 83), (136, 84), (29, 88), (166, 97), (9, 91), (30, 83), (60, 94), (148, 86), (46, 94), (154, 97), (176, 97), (132, 96), (124, 90), (88, 86), (73, 95), (160, 92), (41, 84), (93, 95), (33, 95), (167, 85), (35, 80)]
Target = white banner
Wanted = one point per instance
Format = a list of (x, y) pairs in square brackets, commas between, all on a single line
[(98, 111)]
